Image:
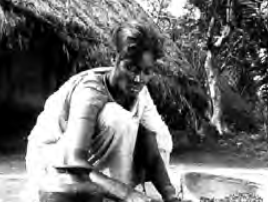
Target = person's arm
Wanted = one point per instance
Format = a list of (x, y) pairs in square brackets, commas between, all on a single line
[(85, 105), (157, 138), (156, 171)]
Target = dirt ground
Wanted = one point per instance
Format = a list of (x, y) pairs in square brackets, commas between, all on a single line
[(202, 170), (12, 177)]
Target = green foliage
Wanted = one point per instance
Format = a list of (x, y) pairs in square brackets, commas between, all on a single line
[(240, 59), (243, 57), (156, 8), (246, 48), (189, 43), (183, 101)]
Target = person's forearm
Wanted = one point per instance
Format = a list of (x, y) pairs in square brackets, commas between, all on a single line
[(160, 178), (101, 184), (114, 188), (76, 163), (156, 170)]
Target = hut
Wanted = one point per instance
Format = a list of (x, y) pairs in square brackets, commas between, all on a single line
[(44, 42)]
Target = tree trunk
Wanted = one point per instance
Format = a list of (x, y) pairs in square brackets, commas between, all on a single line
[(215, 93)]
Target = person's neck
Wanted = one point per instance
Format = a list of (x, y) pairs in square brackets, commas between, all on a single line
[(120, 97)]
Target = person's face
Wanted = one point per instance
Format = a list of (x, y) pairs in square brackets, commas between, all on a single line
[(132, 76)]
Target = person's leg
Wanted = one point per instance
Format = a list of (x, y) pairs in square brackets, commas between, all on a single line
[(149, 164), (113, 146), (35, 167)]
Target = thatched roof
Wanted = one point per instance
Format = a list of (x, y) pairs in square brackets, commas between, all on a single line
[(43, 42), (85, 14), (78, 23), (82, 30)]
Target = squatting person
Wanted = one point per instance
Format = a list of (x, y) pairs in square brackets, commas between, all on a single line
[(105, 118)]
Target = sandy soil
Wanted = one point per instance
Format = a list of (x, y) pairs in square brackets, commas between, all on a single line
[(12, 171), (12, 177)]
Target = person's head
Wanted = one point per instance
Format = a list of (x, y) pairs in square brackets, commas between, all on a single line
[(138, 46)]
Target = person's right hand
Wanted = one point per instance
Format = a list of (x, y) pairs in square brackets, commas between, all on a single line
[(137, 197)]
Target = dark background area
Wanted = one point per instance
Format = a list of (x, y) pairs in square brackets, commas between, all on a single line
[(16, 124), (27, 78)]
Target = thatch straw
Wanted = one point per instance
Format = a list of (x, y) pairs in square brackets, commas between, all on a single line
[(83, 28), (82, 25), (100, 16)]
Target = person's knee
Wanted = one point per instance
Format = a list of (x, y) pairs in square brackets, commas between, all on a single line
[(151, 143), (165, 146), (165, 156)]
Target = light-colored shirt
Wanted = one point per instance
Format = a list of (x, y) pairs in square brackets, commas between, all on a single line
[(86, 94)]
